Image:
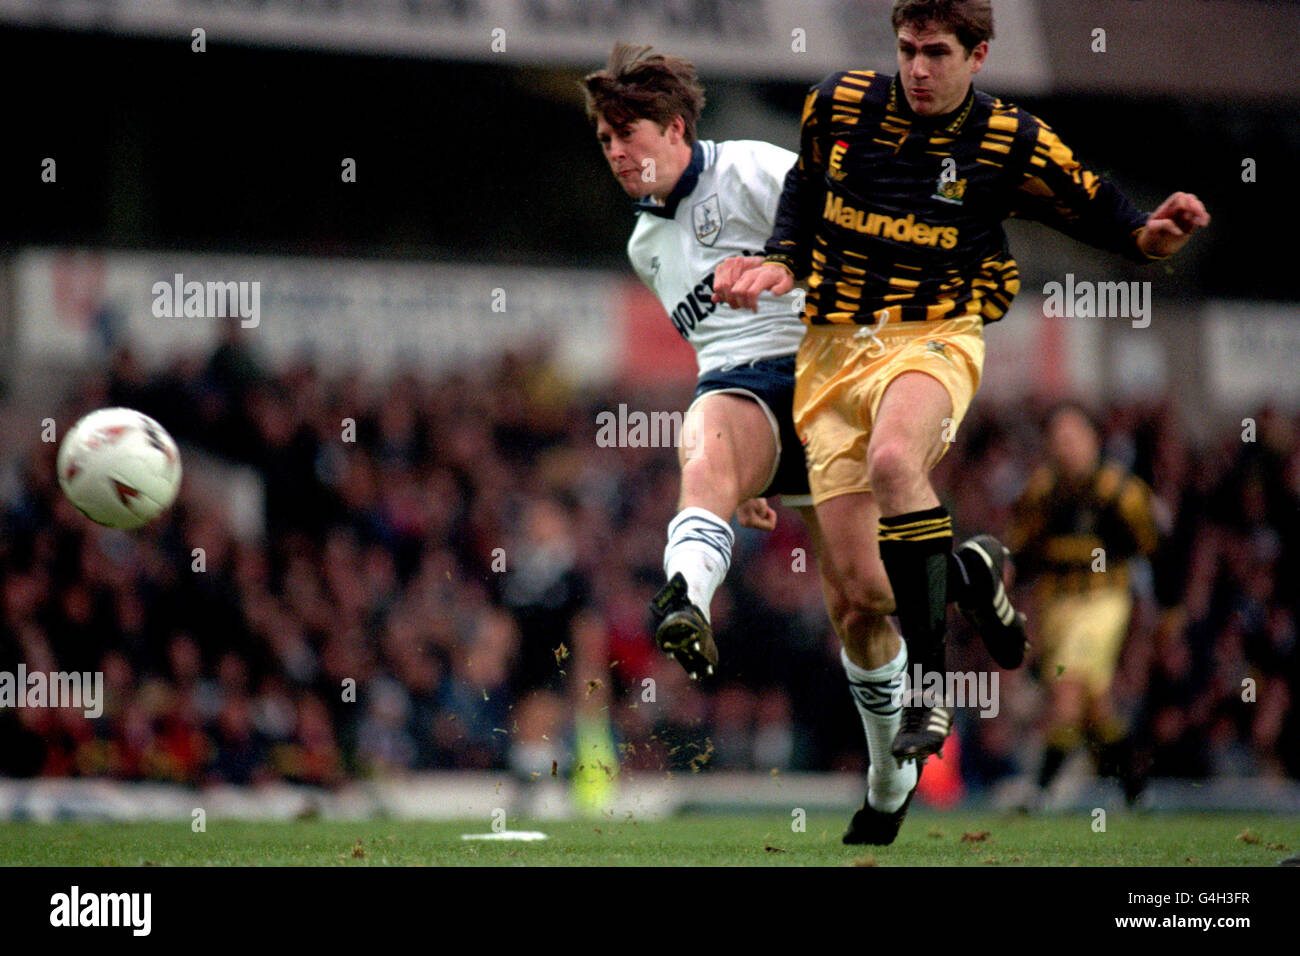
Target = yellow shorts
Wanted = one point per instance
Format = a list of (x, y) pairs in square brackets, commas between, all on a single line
[(841, 373), (1080, 636)]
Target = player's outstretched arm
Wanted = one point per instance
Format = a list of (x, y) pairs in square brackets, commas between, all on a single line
[(1056, 189), (1172, 224), (739, 281)]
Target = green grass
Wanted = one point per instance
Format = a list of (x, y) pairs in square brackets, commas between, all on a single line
[(927, 839)]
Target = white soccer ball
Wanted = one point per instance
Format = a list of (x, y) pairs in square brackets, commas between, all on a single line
[(119, 467)]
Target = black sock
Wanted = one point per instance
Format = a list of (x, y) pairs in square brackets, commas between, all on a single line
[(916, 549), (1111, 746), (1053, 759)]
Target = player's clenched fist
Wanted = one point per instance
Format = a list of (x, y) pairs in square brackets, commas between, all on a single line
[(756, 513), (740, 279), (726, 274), (1170, 226)]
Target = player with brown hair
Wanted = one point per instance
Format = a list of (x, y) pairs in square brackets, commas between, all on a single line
[(893, 214), (698, 203)]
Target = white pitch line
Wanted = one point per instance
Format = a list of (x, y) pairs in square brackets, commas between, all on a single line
[(505, 835)]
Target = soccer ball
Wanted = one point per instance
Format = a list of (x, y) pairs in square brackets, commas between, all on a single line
[(119, 467)]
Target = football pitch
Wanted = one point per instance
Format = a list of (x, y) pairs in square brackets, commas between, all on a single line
[(927, 839)]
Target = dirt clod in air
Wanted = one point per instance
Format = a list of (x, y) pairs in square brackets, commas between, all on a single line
[(698, 762)]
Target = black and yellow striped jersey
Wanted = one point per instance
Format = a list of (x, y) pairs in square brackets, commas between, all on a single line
[(885, 210), (1079, 536)]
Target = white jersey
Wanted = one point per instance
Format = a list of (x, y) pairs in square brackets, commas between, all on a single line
[(723, 206)]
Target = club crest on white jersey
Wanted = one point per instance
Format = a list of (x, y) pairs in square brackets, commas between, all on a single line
[(707, 217)]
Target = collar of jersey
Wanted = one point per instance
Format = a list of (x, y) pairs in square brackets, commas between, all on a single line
[(690, 176), (951, 122)]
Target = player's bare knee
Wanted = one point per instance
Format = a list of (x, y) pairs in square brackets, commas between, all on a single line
[(837, 604), (873, 597), (706, 473), (893, 470), (865, 603), (858, 623)]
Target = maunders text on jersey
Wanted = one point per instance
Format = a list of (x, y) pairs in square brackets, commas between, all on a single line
[(906, 229)]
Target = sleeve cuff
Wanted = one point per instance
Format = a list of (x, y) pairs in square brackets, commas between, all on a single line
[(1142, 256), (780, 259)]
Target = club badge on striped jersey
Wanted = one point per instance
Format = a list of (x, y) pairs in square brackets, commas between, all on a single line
[(706, 216), (950, 190)]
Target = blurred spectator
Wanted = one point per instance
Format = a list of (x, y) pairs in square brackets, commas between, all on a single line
[(433, 549)]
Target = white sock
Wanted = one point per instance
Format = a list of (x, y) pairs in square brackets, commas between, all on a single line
[(875, 692), (699, 546)]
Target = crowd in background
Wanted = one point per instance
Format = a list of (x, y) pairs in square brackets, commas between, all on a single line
[(437, 553)]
